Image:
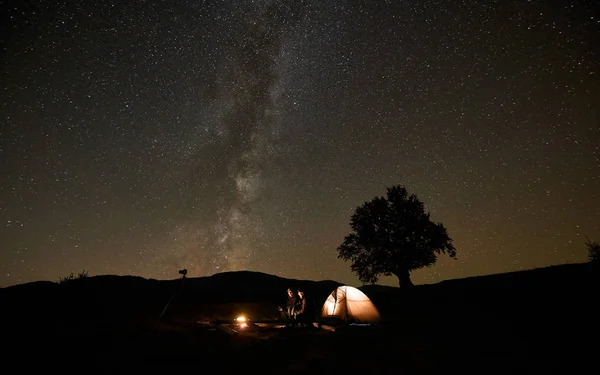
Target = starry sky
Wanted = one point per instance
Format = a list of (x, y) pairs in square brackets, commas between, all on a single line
[(142, 137)]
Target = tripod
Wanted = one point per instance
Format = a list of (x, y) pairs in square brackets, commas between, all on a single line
[(183, 273)]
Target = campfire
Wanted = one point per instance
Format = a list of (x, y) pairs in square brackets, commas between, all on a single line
[(241, 322)]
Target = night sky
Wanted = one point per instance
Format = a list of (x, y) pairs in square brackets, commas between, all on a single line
[(142, 137)]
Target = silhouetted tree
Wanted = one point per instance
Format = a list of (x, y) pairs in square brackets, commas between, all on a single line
[(393, 236), (593, 251)]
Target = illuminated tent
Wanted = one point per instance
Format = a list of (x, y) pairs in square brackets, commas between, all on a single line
[(351, 305)]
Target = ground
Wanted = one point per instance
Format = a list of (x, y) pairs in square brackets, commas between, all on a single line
[(534, 322)]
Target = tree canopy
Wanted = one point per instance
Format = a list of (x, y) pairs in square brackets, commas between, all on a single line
[(393, 235)]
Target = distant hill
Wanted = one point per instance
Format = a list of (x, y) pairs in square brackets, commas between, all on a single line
[(539, 314), (125, 298), (115, 298), (550, 301), (551, 276)]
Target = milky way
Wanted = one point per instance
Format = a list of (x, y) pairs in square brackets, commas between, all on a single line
[(248, 80), (145, 137)]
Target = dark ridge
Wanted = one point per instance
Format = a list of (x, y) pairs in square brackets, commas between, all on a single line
[(528, 318)]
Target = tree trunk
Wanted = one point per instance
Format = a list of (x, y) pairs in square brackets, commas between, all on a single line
[(404, 279)]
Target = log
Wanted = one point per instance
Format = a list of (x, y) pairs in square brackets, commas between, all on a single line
[(328, 327), (230, 331)]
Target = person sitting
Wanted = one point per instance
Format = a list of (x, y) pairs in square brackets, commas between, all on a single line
[(287, 312), (300, 311)]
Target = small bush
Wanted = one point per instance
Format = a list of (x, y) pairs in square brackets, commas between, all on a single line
[(71, 277)]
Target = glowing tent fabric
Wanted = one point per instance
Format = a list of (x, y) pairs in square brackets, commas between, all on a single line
[(351, 305)]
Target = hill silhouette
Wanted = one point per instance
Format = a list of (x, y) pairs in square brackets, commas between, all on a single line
[(535, 319), (109, 298)]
